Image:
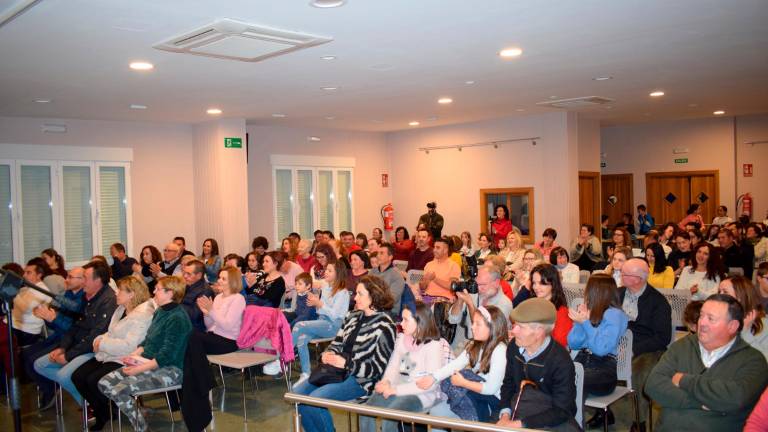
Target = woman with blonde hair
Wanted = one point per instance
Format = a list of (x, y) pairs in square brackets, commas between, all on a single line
[(291, 248), (514, 252), (521, 285), (126, 331)]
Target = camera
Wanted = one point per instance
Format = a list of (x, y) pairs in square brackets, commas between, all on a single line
[(469, 283)]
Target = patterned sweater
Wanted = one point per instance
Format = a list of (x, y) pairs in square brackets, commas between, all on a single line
[(372, 348)]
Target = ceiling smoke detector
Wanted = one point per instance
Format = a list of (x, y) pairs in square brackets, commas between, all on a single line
[(579, 102), (235, 40)]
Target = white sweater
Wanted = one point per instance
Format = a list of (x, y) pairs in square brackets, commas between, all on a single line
[(688, 279), (494, 376), (23, 304), (125, 334)]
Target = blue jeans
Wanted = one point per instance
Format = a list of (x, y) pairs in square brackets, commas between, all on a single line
[(314, 419), (62, 374), (305, 331)]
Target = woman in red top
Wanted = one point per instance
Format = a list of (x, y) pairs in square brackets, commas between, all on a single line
[(500, 225), (403, 244), (692, 215), (546, 284)]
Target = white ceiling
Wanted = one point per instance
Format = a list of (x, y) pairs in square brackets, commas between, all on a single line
[(394, 59)]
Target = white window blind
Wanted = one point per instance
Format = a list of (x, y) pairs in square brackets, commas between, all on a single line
[(112, 207), (284, 202), (344, 194), (305, 199), (78, 228), (6, 215), (36, 209), (325, 199)]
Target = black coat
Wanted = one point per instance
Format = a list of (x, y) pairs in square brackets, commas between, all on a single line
[(652, 330), (94, 321)]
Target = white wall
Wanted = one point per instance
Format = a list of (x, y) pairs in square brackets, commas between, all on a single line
[(748, 129), (589, 144), (161, 172), (642, 148), (368, 150)]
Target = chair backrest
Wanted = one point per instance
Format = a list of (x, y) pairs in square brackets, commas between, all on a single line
[(573, 292), (624, 360), (584, 276), (579, 393), (414, 276), (400, 264), (735, 271), (678, 299)]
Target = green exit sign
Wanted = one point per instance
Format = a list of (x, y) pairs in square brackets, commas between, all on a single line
[(681, 161), (233, 142)]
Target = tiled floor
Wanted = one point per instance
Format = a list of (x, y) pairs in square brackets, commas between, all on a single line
[(266, 411)]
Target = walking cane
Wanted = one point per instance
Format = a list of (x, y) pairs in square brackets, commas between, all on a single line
[(524, 383)]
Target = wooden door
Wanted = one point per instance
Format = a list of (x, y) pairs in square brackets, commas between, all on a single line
[(616, 196), (670, 194), (589, 198)]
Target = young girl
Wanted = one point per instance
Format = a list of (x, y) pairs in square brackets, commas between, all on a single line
[(466, 244), (418, 351), (598, 324), (483, 361), (546, 284), (620, 256), (702, 278)]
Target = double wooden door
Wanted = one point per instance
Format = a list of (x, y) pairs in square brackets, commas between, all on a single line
[(669, 194), (616, 197)]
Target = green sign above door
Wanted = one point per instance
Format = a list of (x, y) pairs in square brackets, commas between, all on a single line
[(233, 143), (681, 161)]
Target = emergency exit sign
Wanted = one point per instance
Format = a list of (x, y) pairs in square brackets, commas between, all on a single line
[(233, 143), (681, 161)]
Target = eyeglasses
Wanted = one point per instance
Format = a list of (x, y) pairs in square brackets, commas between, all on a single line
[(170, 250), (628, 275)]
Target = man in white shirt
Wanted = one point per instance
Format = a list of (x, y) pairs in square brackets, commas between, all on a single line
[(26, 326), (490, 294)]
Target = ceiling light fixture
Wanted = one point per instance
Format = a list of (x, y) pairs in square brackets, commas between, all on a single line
[(414, 123), (657, 93), (141, 66), (138, 107), (43, 101), (330, 118), (510, 52), (602, 78), (330, 88), (470, 82), (325, 4), (278, 115), (214, 111), (719, 112), (444, 101), (328, 57), (313, 138)]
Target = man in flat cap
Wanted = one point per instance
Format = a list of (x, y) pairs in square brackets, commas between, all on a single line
[(538, 369)]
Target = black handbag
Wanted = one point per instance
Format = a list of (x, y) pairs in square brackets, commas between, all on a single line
[(327, 374)]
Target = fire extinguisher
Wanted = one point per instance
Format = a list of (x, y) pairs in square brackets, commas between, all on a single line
[(388, 216), (746, 204)]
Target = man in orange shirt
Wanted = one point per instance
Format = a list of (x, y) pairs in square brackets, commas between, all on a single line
[(440, 272)]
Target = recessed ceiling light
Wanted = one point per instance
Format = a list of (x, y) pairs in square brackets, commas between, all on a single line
[(330, 118), (313, 138), (657, 93), (445, 100), (328, 57), (510, 52), (520, 110), (43, 100), (414, 123), (327, 3), (719, 112), (602, 78), (553, 97), (138, 107), (278, 115), (214, 111), (470, 82), (330, 88), (141, 66)]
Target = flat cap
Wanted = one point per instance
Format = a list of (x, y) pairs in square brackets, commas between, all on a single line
[(534, 310)]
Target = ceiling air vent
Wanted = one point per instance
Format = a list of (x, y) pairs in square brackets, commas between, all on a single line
[(235, 40), (579, 102)]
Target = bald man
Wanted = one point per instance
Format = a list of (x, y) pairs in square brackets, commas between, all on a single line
[(171, 262), (650, 319)]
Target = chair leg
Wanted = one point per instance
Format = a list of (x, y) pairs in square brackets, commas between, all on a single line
[(111, 425), (221, 373), (650, 413), (605, 419), (85, 415), (245, 408), (170, 410)]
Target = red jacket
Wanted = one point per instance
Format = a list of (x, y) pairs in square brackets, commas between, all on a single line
[(261, 322)]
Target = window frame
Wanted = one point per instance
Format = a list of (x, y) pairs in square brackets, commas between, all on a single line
[(516, 191)]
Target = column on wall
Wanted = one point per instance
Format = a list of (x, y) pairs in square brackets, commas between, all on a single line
[(220, 189)]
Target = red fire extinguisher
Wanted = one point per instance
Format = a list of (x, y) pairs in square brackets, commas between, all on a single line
[(388, 216), (746, 204)]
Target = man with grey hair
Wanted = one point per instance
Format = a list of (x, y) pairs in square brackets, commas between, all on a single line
[(534, 358), (171, 262), (650, 319), (489, 293)]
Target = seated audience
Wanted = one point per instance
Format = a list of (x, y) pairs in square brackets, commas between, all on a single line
[(484, 246), (403, 244), (755, 330), (149, 255), (521, 285), (290, 248), (377, 234), (545, 281), (759, 417), (598, 324), (711, 380), (387, 271), (532, 356), (171, 264), (759, 241), (621, 238), (586, 250), (515, 251), (362, 241), (290, 270), (359, 263), (569, 272), (722, 217), (324, 255), (736, 255), (122, 264), (466, 244), (211, 259), (662, 275), (127, 329), (703, 276), (547, 243), (331, 306), (418, 351), (645, 221), (650, 319), (605, 230), (497, 264), (55, 262), (619, 256), (364, 358), (691, 315), (348, 244), (654, 237), (762, 285), (304, 257), (259, 246), (667, 234), (194, 276), (476, 374), (440, 272), (422, 253), (682, 255), (266, 287), (300, 310), (693, 214), (182, 245), (626, 224), (76, 346), (223, 317), (159, 360), (28, 327)]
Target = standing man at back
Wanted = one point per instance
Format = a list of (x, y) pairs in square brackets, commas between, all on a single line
[(432, 220)]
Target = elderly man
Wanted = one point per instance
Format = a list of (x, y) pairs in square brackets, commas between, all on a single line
[(533, 356), (193, 273), (76, 346), (122, 264), (387, 271), (440, 272), (489, 293), (710, 380), (171, 262), (60, 322), (650, 319)]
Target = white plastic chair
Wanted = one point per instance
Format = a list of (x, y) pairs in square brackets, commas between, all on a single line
[(573, 292), (623, 373), (678, 299), (414, 277), (400, 265), (584, 276)]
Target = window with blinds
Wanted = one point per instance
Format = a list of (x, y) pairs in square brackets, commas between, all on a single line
[(36, 209), (113, 215), (6, 215), (311, 198), (78, 230)]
